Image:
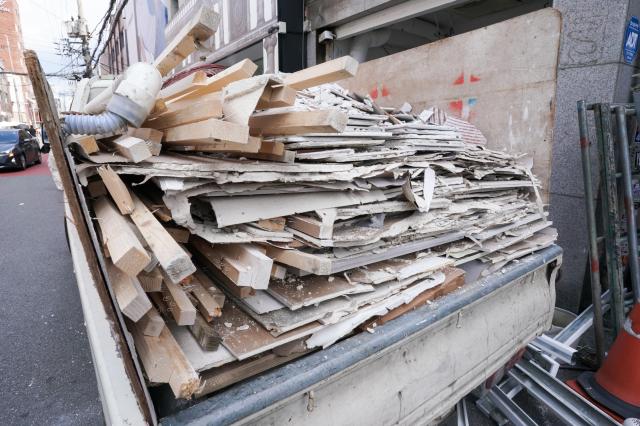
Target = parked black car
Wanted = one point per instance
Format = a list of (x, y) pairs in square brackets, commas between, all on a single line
[(18, 149)]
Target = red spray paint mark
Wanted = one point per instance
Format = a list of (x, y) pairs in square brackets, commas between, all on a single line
[(456, 106), (595, 265), (374, 93), (473, 78), (385, 92), (459, 80)]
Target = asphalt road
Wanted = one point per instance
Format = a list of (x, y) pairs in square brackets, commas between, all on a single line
[(46, 371)]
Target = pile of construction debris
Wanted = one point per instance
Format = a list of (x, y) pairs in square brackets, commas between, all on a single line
[(253, 219)]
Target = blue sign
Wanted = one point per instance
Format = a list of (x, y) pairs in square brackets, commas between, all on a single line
[(631, 40)]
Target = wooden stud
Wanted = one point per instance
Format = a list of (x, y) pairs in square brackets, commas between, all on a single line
[(201, 26), (164, 362), (195, 111), (125, 249), (299, 122), (132, 300), (211, 131), (151, 281), (172, 258), (214, 291), (206, 303), (326, 72), (117, 189), (88, 143), (183, 86), (238, 71), (152, 137), (178, 303), (151, 323), (277, 97), (132, 148), (181, 235)]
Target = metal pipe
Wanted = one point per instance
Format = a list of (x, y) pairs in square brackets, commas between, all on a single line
[(632, 230), (596, 288)]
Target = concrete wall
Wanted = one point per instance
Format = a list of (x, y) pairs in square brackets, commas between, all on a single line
[(591, 67)]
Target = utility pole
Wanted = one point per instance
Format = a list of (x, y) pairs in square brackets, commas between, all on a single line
[(78, 31)]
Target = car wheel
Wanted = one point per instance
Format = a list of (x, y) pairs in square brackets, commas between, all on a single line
[(22, 162), (39, 158)]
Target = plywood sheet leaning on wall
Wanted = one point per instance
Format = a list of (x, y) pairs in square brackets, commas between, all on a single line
[(504, 85)]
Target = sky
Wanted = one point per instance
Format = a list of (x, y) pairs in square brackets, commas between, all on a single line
[(42, 24)]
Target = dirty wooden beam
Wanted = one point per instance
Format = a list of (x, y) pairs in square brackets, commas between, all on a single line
[(326, 72)]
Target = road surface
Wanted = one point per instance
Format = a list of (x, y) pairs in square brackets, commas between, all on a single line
[(45, 362)]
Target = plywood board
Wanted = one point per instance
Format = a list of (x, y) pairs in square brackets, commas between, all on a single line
[(505, 85)]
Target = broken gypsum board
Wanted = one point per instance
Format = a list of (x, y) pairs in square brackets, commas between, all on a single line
[(298, 292), (516, 235), (338, 143), (243, 209), (371, 155), (491, 232), (322, 265)]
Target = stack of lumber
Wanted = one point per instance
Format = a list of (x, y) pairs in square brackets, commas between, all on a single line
[(253, 219)]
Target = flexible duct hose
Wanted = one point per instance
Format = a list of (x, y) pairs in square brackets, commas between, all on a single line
[(105, 123)]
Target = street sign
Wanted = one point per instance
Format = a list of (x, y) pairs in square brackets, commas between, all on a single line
[(631, 40)]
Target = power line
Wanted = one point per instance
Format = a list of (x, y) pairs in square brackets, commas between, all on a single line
[(112, 4)]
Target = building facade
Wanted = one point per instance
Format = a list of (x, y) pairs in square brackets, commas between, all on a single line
[(23, 107)]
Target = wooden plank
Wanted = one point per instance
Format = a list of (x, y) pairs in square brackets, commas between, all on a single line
[(238, 71), (172, 258), (299, 122), (164, 362), (132, 148), (210, 131), (125, 249), (197, 110), (151, 323), (88, 143), (214, 291), (201, 26), (252, 146), (178, 303), (285, 157), (326, 72), (205, 334), (206, 303), (117, 189), (152, 137), (151, 281), (274, 148), (301, 260), (222, 279), (277, 97), (132, 300), (274, 224), (183, 86), (310, 226)]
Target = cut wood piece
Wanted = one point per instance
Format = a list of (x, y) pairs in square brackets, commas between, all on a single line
[(88, 143), (298, 259), (277, 97), (117, 189), (298, 122), (278, 271), (178, 303), (196, 110), (273, 148), (172, 258), (125, 249), (243, 209), (298, 292), (326, 72), (244, 264), (244, 337), (151, 323), (273, 224), (207, 259), (211, 131), (182, 86), (207, 304), (239, 99), (157, 208), (454, 279), (152, 137), (216, 294), (151, 281), (132, 148), (205, 334), (238, 71), (311, 226), (253, 145), (159, 107), (96, 188), (132, 300), (213, 98), (200, 27), (226, 375), (164, 362), (181, 235), (285, 157)]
